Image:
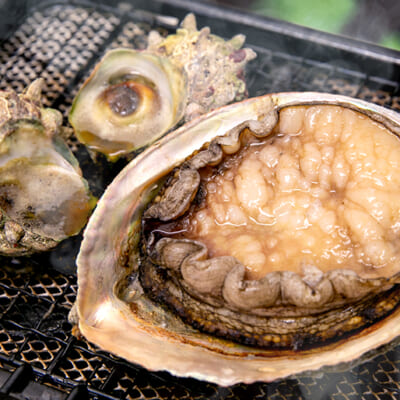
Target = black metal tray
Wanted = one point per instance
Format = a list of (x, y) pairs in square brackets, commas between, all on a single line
[(61, 41)]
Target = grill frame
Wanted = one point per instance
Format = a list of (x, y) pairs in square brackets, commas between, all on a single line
[(38, 355)]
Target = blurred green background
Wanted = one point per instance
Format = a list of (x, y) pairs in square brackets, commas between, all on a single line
[(376, 21)]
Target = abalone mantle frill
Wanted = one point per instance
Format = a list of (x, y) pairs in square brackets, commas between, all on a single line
[(112, 302)]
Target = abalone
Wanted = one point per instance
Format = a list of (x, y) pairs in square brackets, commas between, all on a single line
[(257, 241)]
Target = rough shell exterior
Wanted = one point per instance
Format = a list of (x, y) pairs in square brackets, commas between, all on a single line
[(27, 106), (24, 112), (214, 67)]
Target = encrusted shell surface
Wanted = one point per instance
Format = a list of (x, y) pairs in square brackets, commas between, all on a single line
[(214, 67), (112, 308), (43, 197)]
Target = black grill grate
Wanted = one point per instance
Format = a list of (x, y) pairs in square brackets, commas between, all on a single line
[(39, 358)]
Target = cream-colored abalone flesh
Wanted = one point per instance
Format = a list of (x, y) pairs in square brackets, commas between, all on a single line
[(324, 191), (296, 216)]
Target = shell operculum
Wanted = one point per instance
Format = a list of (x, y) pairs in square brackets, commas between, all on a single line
[(130, 100)]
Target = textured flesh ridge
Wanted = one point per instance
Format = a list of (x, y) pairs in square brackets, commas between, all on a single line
[(324, 191)]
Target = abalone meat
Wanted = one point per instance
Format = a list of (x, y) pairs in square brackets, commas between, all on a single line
[(257, 241), (43, 197), (133, 97)]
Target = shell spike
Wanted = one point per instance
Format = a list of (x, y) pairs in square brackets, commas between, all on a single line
[(154, 39), (237, 41), (189, 23), (34, 91)]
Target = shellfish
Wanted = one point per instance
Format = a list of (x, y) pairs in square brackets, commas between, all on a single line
[(133, 97), (168, 279), (43, 197)]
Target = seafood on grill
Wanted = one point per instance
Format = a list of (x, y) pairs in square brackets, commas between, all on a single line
[(43, 197), (257, 241), (133, 97)]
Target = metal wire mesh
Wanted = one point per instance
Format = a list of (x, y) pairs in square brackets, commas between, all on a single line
[(61, 43)]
